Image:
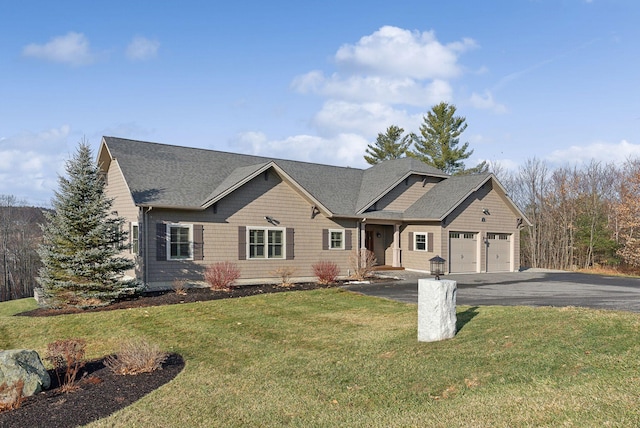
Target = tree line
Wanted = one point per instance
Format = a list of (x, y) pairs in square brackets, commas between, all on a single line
[(582, 216), (20, 236)]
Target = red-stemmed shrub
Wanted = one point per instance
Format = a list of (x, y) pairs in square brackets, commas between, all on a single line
[(326, 272), (221, 275), (67, 356)]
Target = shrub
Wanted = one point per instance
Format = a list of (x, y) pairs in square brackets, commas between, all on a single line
[(11, 395), (221, 275), (179, 286), (136, 356), (326, 272), (361, 263), (67, 356), (285, 273)]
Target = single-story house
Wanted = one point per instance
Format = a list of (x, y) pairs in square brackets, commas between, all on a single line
[(187, 208)]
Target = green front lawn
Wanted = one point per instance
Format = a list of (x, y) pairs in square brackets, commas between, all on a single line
[(332, 358)]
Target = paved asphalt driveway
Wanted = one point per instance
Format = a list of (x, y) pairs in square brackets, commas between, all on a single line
[(528, 288)]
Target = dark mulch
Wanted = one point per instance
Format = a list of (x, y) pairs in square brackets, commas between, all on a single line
[(101, 391), (170, 298)]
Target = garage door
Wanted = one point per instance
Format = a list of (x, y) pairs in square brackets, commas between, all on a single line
[(498, 252), (463, 252)]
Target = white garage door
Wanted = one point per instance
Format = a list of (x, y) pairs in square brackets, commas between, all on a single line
[(498, 252), (463, 252)]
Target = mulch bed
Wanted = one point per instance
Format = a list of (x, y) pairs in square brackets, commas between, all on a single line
[(170, 298), (103, 392)]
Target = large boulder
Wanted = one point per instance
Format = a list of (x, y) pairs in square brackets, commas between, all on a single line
[(25, 365)]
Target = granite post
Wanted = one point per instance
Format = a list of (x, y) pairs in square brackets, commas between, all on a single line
[(436, 310)]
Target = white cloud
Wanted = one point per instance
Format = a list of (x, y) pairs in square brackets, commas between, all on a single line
[(392, 76), (602, 151), (366, 119), (30, 163), (390, 90), (398, 52), (343, 149), (485, 101), (141, 49), (72, 48)]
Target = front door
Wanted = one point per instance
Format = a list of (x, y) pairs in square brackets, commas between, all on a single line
[(368, 240)]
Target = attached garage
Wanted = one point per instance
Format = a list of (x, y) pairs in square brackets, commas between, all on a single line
[(498, 252), (463, 252)]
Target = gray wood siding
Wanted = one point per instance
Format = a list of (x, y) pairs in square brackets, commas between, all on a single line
[(406, 193), (122, 203), (467, 217), (248, 207)]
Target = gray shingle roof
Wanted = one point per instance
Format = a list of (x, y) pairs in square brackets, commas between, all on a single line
[(182, 177)]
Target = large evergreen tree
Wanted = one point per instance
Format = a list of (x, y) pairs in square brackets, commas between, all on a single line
[(437, 144), (82, 240), (390, 145)]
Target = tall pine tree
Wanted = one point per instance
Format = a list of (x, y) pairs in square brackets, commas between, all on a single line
[(437, 144), (390, 145), (82, 240)]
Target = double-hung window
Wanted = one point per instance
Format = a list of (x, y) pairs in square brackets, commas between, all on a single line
[(135, 238), (266, 243), (420, 241), (336, 239), (179, 242)]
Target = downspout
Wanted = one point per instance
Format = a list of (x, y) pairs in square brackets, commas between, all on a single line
[(146, 247)]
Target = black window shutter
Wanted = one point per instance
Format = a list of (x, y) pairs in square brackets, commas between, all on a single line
[(325, 239), (430, 242), (198, 242), (290, 244), (348, 243), (242, 243), (410, 241), (161, 241)]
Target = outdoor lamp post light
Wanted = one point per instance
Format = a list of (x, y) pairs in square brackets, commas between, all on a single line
[(437, 266)]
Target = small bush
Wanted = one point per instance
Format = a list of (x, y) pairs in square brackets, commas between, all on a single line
[(326, 272), (221, 275), (179, 286), (135, 357), (67, 356), (11, 395), (362, 263), (285, 273)]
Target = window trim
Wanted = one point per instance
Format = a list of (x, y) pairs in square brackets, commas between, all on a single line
[(266, 243), (342, 239), (168, 238), (134, 239), (426, 241)]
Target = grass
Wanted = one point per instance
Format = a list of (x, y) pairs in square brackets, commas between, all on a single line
[(329, 358)]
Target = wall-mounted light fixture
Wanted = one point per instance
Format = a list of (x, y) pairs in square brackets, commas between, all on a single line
[(272, 220), (485, 211)]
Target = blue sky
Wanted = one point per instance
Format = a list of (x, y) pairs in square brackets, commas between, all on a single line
[(314, 81)]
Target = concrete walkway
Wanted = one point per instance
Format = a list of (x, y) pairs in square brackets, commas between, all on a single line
[(528, 288)]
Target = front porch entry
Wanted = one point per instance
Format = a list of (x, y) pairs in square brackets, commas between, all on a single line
[(384, 241)]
